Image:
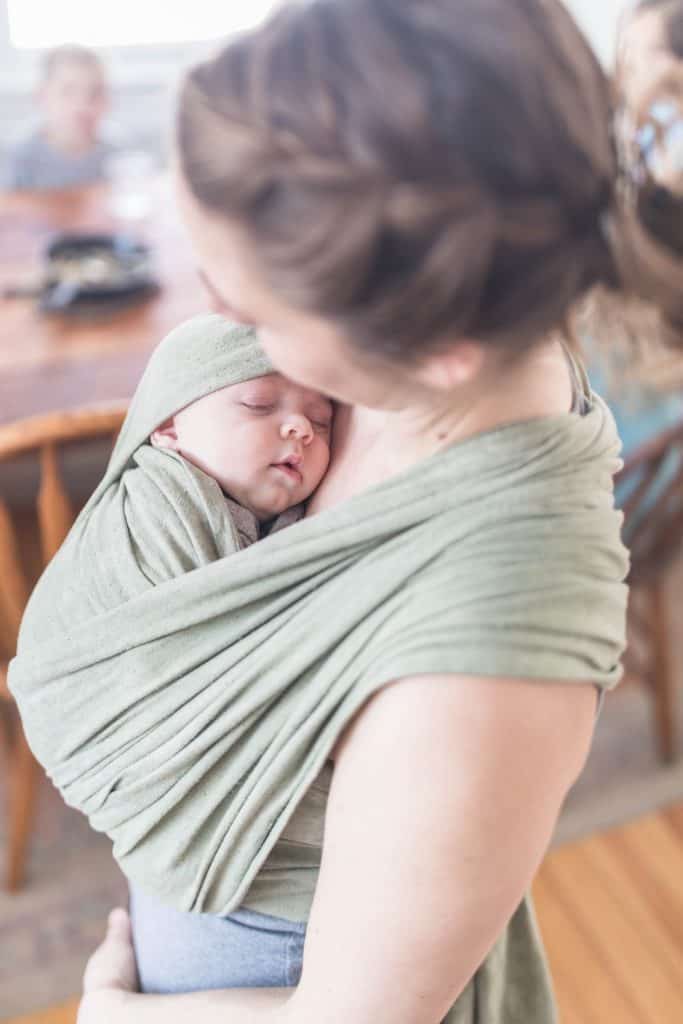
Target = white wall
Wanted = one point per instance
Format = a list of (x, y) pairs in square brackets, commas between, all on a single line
[(17, 68), (143, 77), (143, 80), (599, 19)]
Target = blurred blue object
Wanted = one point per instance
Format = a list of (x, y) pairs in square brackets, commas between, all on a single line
[(641, 415)]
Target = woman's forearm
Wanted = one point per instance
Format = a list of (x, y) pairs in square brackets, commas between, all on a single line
[(228, 1006)]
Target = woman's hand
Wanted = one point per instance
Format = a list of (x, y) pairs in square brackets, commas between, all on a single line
[(112, 965), (111, 972)]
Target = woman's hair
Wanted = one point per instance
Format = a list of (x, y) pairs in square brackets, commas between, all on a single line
[(419, 171), (661, 211)]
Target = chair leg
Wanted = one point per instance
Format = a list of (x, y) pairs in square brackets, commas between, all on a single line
[(22, 801), (7, 733), (664, 681)]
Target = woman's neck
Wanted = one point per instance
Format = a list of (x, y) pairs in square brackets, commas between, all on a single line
[(371, 445), (536, 385)]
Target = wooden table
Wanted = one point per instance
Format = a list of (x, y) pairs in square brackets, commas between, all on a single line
[(51, 362)]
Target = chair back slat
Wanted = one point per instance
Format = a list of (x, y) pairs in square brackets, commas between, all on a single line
[(55, 511), (14, 589)]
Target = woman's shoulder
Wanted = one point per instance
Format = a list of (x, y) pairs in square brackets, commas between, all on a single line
[(448, 706)]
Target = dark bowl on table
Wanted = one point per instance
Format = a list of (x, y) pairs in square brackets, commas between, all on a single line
[(90, 275)]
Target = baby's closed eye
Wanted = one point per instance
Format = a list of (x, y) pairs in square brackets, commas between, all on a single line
[(258, 408)]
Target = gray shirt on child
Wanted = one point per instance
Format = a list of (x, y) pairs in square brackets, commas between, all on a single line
[(35, 164)]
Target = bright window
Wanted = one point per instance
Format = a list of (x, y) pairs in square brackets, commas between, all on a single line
[(36, 24)]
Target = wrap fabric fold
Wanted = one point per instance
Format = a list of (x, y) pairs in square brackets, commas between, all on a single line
[(188, 718)]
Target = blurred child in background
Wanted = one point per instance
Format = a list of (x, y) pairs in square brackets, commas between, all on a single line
[(67, 149)]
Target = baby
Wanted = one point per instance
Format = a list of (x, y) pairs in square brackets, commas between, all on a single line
[(266, 442), (222, 470), (67, 149)]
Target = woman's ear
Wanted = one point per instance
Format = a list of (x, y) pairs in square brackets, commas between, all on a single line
[(453, 366), (165, 435)]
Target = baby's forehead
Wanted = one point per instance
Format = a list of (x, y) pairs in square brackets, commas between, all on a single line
[(275, 381), (283, 387)]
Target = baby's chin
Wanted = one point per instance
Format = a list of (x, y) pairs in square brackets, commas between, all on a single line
[(268, 502), (267, 510), (276, 508)]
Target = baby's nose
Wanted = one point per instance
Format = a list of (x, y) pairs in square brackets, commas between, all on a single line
[(296, 427)]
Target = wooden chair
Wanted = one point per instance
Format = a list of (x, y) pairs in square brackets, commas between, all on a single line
[(651, 490), (42, 435)]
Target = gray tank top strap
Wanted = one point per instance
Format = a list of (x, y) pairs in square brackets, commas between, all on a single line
[(581, 404), (581, 389)]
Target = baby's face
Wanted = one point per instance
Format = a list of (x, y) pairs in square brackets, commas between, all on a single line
[(265, 442)]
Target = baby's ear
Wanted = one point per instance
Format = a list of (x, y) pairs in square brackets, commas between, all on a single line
[(165, 435)]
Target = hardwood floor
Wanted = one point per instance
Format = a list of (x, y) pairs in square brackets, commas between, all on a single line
[(59, 1015), (611, 912)]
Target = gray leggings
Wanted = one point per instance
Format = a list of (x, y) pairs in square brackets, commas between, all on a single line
[(184, 952)]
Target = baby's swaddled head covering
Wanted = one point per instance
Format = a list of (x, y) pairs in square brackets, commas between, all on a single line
[(200, 356)]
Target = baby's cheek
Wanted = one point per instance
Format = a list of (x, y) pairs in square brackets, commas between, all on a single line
[(246, 460), (324, 463)]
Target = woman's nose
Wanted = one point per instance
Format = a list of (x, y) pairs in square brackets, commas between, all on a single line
[(296, 428)]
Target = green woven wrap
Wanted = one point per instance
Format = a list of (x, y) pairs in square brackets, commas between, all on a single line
[(188, 718)]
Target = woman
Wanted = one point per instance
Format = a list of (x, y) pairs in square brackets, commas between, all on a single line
[(409, 200)]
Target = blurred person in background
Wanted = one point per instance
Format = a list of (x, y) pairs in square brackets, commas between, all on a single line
[(646, 395), (67, 148)]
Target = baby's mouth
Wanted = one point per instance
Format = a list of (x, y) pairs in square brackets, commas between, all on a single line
[(290, 467)]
